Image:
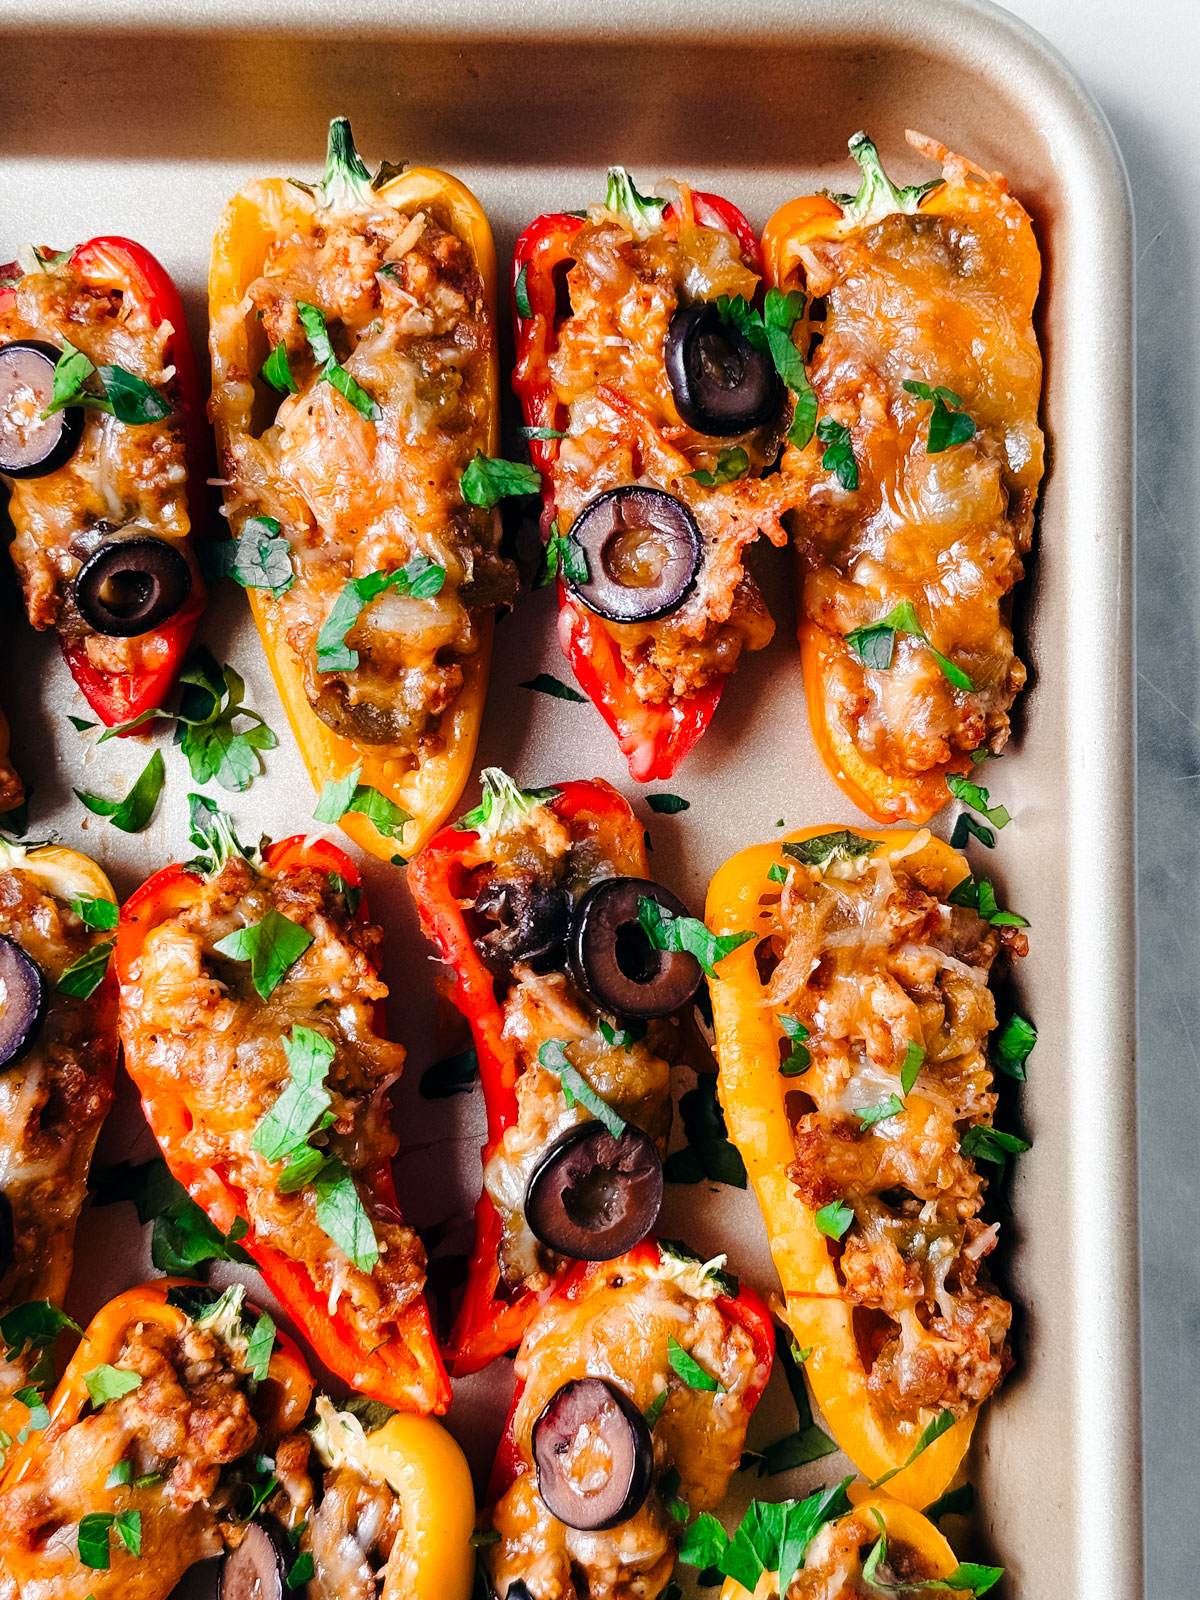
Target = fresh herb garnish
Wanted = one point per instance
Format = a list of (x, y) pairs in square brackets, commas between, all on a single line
[(341, 1215), (259, 558), (780, 314), (689, 1370), (840, 845), (914, 1056), (984, 1143), (946, 426), (621, 1038), (259, 1346), (667, 805), (773, 1537), (833, 1218), (799, 1057), (565, 554), (967, 828), (86, 973), (708, 1152), (317, 330), (284, 1129), (503, 805), (211, 831), (576, 1088), (277, 371), (95, 913), (184, 1238), (732, 463), (489, 479), (133, 813), (978, 895), (777, 872), (457, 1074), (1011, 1045), (106, 1383), (839, 452), (955, 1502), (339, 795), (122, 394), (521, 292), (120, 1472), (970, 794), (655, 1409), (81, 724), (93, 1536), (932, 1430), (420, 577), (33, 1399), (271, 946), (543, 433), (869, 1115), (30, 1331), (666, 931), (547, 683), (875, 644)]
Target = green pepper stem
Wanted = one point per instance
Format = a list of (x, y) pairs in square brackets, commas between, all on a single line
[(346, 183), (878, 197), (644, 212)]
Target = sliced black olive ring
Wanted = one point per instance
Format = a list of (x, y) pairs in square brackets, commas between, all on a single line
[(593, 1454), (257, 1569), (643, 552), (32, 445), (613, 961), (131, 586), (723, 385), (593, 1196), (22, 1000)]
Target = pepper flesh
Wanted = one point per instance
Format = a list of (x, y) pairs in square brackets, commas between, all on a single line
[(902, 792), (488, 1323), (653, 736), (754, 1097), (406, 1372), (117, 263), (251, 223)]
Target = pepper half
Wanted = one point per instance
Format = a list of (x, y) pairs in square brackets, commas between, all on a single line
[(755, 1084), (491, 1319), (913, 293), (423, 778), (654, 734), (403, 1370), (106, 266)]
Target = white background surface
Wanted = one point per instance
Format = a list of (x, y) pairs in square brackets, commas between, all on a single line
[(1141, 61)]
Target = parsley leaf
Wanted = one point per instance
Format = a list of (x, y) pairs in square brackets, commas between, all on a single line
[(799, 1057), (878, 1552), (780, 314), (955, 1502), (81, 724), (839, 452), (259, 1347), (667, 805), (259, 558), (30, 1331), (840, 845), (621, 1038), (86, 973), (933, 1430), (543, 433), (106, 1382), (133, 813), (341, 1215), (708, 1153), (967, 828), (984, 1143), (129, 1530), (704, 1543), (457, 1074), (521, 292), (655, 1409), (875, 643), (95, 913), (978, 799), (565, 554), (688, 935), (420, 577), (488, 480), (271, 947), (833, 1218), (94, 1530), (685, 1366), (317, 330), (1011, 1045), (339, 795), (120, 1472), (39, 1413), (978, 895), (946, 426), (731, 464), (183, 1237), (547, 683), (777, 872), (276, 370), (285, 1127), (123, 395), (914, 1056), (575, 1087), (869, 1115)]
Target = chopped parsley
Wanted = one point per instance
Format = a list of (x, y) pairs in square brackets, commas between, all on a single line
[(773, 1537), (132, 813), (807, 1442), (799, 1057), (521, 292), (780, 314), (655, 1409), (689, 1370), (420, 577), (914, 1056), (576, 1088), (967, 828), (259, 558), (708, 1152), (94, 912), (29, 1332), (317, 330), (276, 370), (777, 872), (688, 935), (271, 946), (869, 1115), (875, 644), (947, 426), (667, 805), (840, 845), (932, 1430), (984, 1143), (488, 480), (339, 795), (259, 1346), (839, 452), (341, 1215), (978, 895), (86, 973), (184, 1237), (106, 1382), (565, 555), (547, 683), (503, 805), (833, 1218), (623, 1038), (970, 794), (122, 394), (283, 1131), (1011, 1045), (731, 464)]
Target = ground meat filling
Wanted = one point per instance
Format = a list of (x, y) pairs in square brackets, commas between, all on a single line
[(408, 320), (834, 1561), (52, 1102), (874, 964), (945, 300), (207, 1037), (549, 861), (620, 1332), (607, 373), (124, 480)]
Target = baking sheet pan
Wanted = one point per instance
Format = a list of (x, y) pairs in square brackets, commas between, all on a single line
[(122, 116)]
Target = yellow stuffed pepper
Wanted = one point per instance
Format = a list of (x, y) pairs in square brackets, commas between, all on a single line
[(852, 1037), (355, 401)]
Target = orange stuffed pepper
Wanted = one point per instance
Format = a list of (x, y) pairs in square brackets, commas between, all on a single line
[(852, 1035), (355, 399), (915, 498)]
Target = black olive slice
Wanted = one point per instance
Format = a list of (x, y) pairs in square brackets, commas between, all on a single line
[(32, 445), (22, 1000), (613, 961), (643, 552), (257, 1569), (593, 1455), (8, 1233), (723, 385), (593, 1196), (131, 586), (532, 919), (518, 1590)]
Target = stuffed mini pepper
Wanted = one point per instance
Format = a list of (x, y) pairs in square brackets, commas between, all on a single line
[(635, 1385), (355, 402), (104, 450), (58, 1058), (852, 1035), (250, 1004), (915, 499), (182, 1430), (654, 405), (568, 964)]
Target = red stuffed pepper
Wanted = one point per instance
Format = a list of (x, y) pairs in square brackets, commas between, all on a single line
[(250, 1017), (536, 902), (635, 1385), (104, 449), (654, 407)]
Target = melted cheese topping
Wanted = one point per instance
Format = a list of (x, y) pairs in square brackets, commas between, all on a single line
[(870, 965), (833, 1563), (945, 300), (199, 1031), (123, 481), (607, 374)]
